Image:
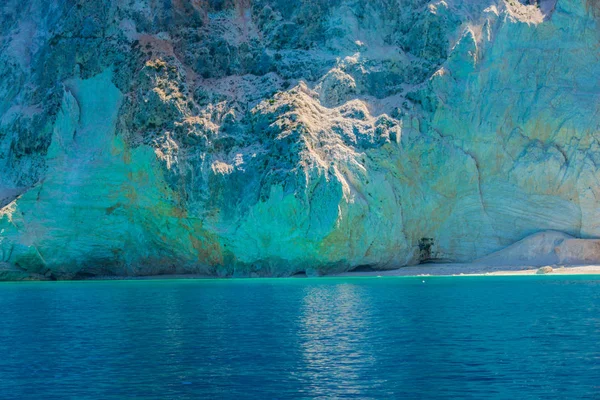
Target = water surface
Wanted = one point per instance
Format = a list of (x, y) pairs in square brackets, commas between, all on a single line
[(520, 337)]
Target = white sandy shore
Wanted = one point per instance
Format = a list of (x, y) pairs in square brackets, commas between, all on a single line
[(417, 270), (477, 270)]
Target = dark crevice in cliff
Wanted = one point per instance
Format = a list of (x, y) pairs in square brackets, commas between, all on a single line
[(363, 268)]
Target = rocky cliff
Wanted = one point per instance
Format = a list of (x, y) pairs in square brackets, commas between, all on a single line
[(272, 137)]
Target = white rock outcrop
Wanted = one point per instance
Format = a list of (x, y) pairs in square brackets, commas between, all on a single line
[(269, 138)]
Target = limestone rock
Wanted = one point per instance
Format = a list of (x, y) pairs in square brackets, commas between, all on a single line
[(269, 138), (544, 270), (539, 249)]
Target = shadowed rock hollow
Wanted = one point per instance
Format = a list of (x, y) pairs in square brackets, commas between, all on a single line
[(274, 137)]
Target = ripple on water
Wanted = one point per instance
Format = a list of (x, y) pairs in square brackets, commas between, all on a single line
[(314, 338)]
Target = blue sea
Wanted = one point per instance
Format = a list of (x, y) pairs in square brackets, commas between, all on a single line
[(396, 337)]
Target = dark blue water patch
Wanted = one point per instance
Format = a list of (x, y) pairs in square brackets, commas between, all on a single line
[(417, 337)]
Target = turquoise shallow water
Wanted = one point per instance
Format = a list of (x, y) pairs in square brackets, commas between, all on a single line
[(519, 337)]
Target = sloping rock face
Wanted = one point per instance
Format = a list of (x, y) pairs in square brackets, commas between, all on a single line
[(270, 137), (545, 249)]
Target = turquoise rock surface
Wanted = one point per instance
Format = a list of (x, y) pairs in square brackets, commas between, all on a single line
[(269, 137)]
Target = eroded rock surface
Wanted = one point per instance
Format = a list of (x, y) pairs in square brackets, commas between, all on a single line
[(268, 137)]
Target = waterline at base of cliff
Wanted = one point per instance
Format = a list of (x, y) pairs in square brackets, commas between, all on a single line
[(423, 270)]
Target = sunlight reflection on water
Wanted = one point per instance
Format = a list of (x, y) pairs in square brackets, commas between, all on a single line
[(310, 338)]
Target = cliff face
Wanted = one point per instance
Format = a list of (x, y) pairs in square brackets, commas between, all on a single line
[(269, 137)]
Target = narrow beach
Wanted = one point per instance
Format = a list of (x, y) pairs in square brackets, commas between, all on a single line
[(476, 270)]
